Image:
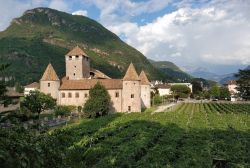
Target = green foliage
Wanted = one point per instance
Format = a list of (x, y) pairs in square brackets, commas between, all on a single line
[(36, 102), (157, 99), (19, 88), (171, 70), (62, 110), (181, 91), (224, 93), (243, 83), (189, 135), (197, 88), (98, 102), (215, 91), (3, 90)]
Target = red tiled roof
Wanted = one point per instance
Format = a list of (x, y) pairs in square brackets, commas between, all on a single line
[(231, 82), (49, 74), (143, 78), (33, 85), (86, 84), (76, 51), (131, 74)]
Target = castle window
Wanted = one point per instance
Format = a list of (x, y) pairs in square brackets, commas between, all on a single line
[(63, 95), (132, 95), (75, 66), (87, 58), (74, 74), (70, 57), (85, 95), (116, 94), (48, 84), (69, 95), (129, 108), (77, 57), (77, 95)]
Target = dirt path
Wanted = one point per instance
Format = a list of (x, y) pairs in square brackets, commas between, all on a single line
[(162, 108)]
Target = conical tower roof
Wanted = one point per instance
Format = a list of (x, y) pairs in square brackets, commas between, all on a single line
[(49, 74), (76, 51), (131, 74), (143, 78)]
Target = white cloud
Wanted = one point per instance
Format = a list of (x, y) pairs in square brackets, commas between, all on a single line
[(80, 12), (216, 33), (59, 5), (14, 8)]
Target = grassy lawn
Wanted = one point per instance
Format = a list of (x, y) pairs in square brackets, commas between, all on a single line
[(193, 135)]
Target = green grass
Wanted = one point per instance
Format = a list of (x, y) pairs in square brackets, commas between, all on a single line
[(191, 135)]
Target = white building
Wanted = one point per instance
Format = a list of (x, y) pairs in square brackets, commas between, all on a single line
[(164, 89), (31, 87)]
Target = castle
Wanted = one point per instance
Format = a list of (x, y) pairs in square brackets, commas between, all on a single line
[(130, 94)]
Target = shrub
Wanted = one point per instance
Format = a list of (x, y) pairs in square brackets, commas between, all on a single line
[(62, 110)]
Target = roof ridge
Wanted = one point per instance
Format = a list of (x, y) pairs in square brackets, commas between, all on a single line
[(76, 51), (131, 73), (49, 74), (144, 79)]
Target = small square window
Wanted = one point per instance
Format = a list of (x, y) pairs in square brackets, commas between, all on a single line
[(85, 95), (70, 57), (132, 95), (77, 57), (116, 94), (129, 108), (69, 95), (48, 84), (63, 95), (74, 74)]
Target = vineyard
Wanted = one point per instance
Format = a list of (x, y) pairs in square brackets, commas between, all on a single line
[(189, 135)]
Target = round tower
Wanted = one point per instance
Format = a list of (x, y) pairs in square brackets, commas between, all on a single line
[(50, 83), (145, 90), (131, 91)]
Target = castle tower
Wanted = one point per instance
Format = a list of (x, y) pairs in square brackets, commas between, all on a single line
[(77, 64), (50, 83), (131, 93), (145, 90)]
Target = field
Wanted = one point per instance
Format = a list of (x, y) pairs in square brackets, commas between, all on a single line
[(191, 135)]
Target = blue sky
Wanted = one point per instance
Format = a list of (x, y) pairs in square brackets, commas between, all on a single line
[(214, 34)]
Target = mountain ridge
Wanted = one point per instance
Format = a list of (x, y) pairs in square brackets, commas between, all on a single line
[(42, 35)]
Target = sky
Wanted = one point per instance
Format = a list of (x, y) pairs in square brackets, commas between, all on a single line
[(212, 34)]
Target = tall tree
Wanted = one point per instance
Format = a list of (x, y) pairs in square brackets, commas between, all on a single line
[(98, 102), (3, 89), (224, 93), (215, 91), (197, 87), (243, 83)]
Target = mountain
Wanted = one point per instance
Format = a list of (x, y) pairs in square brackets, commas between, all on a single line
[(231, 76), (171, 69), (44, 35)]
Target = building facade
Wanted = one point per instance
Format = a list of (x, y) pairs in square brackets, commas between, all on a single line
[(130, 94)]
